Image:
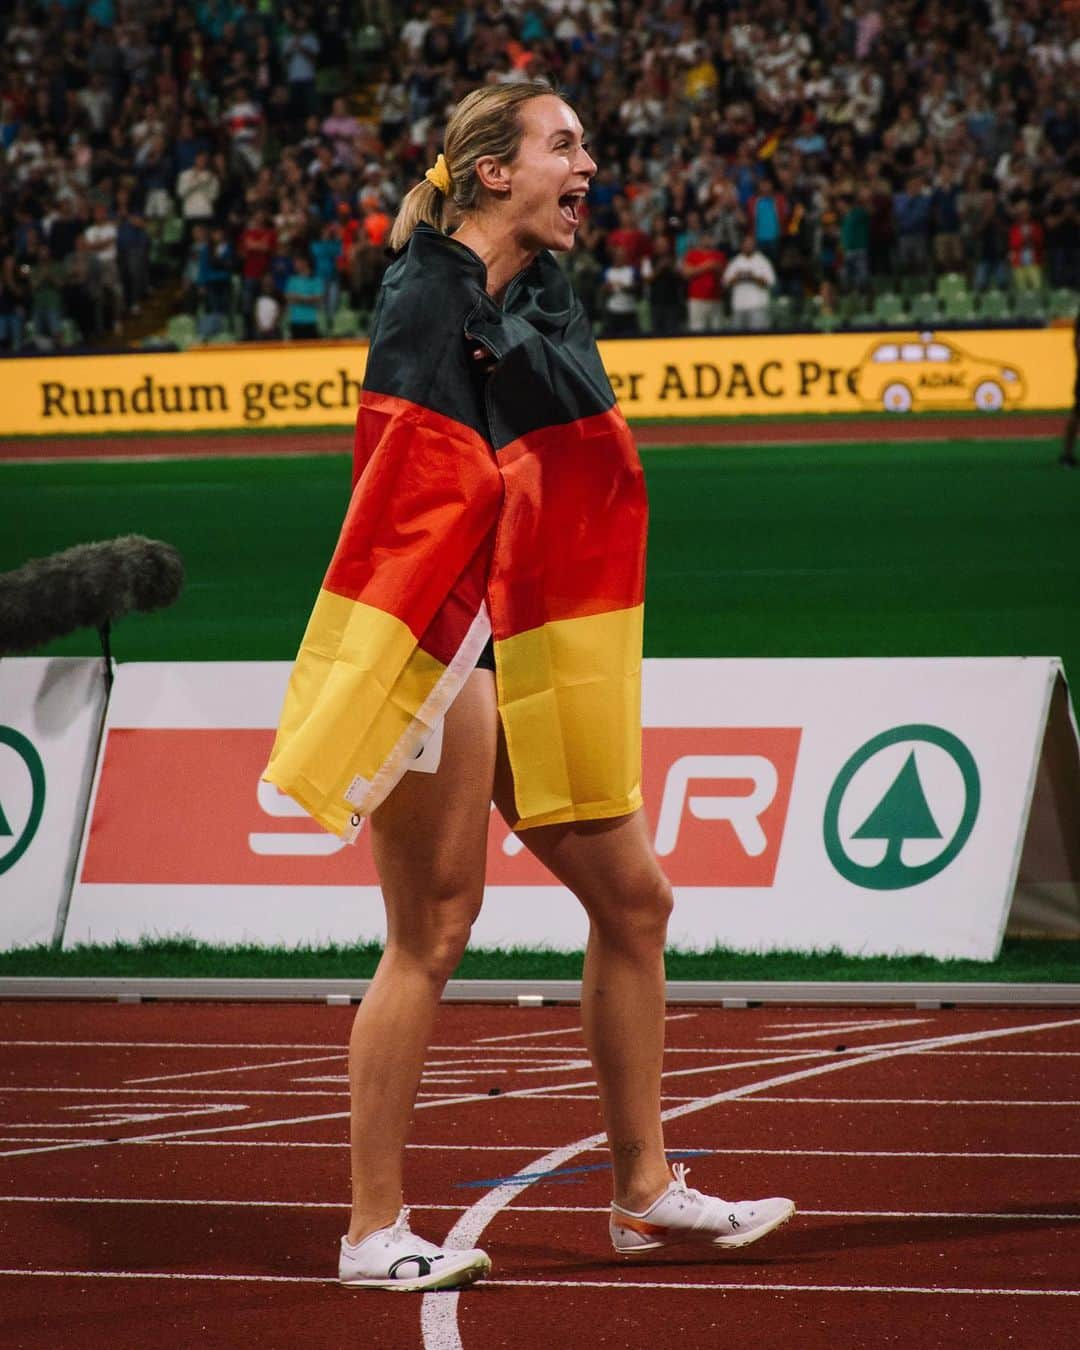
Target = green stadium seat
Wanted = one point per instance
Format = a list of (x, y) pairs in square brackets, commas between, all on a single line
[(1029, 306), (182, 330), (993, 305), (925, 310), (1063, 303), (781, 311), (826, 321), (889, 309), (345, 323), (959, 307), (951, 283)]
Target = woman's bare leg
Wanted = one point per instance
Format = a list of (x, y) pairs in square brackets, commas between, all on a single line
[(611, 867), (429, 839)]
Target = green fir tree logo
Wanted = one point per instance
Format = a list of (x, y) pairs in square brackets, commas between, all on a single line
[(903, 813)]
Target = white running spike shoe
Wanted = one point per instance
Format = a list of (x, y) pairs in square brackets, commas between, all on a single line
[(395, 1258), (685, 1215)]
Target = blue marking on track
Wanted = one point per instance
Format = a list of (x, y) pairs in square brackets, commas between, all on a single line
[(566, 1176)]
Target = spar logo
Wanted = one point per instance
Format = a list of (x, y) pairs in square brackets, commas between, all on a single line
[(902, 808), (716, 799), (22, 795)]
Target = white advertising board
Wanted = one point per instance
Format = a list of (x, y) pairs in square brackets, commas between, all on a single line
[(50, 719), (876, 806)]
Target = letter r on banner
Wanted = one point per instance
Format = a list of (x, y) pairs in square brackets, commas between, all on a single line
[(742, 810)]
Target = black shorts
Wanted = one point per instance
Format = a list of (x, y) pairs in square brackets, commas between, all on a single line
[(486, 659)]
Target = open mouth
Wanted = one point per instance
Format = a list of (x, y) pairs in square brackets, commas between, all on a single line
[(570, 206)]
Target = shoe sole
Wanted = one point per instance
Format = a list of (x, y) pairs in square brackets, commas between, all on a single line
[(451, 1279), (728, 1243)]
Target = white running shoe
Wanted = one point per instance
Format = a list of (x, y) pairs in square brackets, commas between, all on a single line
[(395, 1258), (685, 1215)]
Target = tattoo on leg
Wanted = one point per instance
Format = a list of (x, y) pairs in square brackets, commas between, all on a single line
[(629, 1148)]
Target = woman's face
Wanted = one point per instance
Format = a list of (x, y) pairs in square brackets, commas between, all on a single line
[(548, 180)]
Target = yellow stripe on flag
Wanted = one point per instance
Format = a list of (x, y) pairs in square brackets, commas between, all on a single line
[(359, 675), (570, 702)]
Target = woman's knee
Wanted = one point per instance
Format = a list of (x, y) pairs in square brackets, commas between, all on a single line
[(434, 934), (635, 916)]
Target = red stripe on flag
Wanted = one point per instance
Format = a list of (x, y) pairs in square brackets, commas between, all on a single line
[(427, 495), (575, 517)]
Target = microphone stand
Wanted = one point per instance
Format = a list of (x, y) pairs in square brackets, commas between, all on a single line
[(106, 651)]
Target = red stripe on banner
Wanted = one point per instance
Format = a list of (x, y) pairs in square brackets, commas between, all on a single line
[(716, 797), (428, 493), (576, 513)]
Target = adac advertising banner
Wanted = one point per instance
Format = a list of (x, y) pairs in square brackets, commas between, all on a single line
[(878, 806), (50, 720), (317, 384)]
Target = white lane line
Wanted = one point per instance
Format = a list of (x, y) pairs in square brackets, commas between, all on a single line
[(832, 1028), (181, 1045), (169, 1201), (727, 1285), (624, 1285), (563, 1031), (238, 1068), (438, 1316), (919, 1101), (960, 1154)]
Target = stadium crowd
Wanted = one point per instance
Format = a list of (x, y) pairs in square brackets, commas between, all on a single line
[(784, 157)]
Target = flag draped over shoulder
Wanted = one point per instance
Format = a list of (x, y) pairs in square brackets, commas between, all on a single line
[(509, 503)]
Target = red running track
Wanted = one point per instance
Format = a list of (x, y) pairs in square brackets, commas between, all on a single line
[(174, 1175), (649, 435)]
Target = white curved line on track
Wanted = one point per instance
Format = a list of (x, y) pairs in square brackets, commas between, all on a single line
[(439, 1312)]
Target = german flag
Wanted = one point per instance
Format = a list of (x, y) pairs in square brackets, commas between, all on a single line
[(508, 502)]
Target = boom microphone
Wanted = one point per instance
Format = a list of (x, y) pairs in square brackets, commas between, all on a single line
[(88, 586)]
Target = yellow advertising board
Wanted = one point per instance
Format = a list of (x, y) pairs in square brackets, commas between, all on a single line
[(315, 384)]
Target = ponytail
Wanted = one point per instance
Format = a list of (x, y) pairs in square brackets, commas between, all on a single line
[(423, 204)]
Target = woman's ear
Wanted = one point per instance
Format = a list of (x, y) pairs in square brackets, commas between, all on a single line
[(493, 174)]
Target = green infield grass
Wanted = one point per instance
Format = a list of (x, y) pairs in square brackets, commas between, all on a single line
[(1024, 961), (962, 548)]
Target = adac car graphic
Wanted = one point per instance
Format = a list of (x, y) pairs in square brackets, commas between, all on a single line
[(911, 374)]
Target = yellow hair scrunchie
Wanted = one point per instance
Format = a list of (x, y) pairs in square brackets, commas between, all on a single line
[(439, 174)]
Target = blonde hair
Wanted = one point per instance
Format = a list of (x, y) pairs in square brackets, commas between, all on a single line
[(485, 122)]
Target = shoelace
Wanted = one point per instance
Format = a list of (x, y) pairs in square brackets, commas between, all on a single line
[(680, 1170), (401, 1227), (713, 1208)]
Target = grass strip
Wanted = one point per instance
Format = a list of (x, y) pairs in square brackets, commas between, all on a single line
[(1022, 961)]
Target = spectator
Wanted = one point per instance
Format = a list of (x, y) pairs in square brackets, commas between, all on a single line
[(304, 297), (855, 240), (665, 289), (911, 209), (13, 299), (945, 221), (702, 269), (768, 217), (299, 54), (749, 278), (197, 191), (133, 252), (992, 242), (326, 257), (246, 126), (100, 240), (621, 289), (1026, 250), (258, 243), (268, 312)]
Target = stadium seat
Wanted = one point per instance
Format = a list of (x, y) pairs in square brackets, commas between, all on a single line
[(1063, 303), (889, 309), (345, 323), (1029, 307), (959, 307), (993, 305), (925, 310), (781, 311), (951, 283), (183, 331)]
